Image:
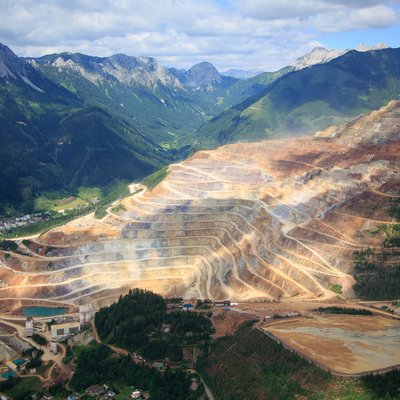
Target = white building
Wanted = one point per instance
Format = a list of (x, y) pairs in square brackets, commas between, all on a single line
[(53, 347), (85, 314), (29, 326), (68, 328)]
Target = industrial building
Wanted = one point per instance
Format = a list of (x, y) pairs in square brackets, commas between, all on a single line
[(64, 329), (85, 314), (29, 326)]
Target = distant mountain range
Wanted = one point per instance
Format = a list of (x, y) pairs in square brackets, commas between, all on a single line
[(68, 120), (240, 74), (309, 99), (318, 55), (163, 104)]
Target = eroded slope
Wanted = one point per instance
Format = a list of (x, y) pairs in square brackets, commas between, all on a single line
[(270, 219)]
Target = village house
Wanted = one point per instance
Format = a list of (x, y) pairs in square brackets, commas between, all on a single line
[(136, 394)]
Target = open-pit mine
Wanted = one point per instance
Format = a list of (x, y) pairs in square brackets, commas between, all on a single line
[(269, 220)]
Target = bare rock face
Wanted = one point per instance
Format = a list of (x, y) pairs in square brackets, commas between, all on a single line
[(144, 71), (272, 219), (202, 76), (321, 55), (14, 68), (318, 55), (378, 127)]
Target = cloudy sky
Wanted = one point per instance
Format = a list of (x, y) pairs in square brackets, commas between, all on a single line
[(246, 34)]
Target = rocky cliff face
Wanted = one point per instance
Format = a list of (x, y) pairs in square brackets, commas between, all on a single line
[(318, 55), (14, 68), (202, 76), (144, 71), (277, 218)]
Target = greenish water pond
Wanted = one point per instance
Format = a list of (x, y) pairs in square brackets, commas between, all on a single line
[(43, 311)]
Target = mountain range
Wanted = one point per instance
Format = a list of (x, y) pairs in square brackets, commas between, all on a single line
[(240, 73), (306, 100), (70, 120)]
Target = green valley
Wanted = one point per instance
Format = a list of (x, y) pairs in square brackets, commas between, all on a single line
[(86, 121)]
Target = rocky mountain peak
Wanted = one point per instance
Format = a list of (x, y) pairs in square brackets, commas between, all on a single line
[(13, 67), (141, 70), (202, 76), (318, 55), (9, 62), (122, 60), (379, 46)]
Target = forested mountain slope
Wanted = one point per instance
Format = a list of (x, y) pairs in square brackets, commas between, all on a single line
[(50, 139), (310, 99)]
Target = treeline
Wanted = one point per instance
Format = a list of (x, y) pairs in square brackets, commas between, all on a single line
[(392, 233), (376, 282), (140, 323), (385, 386), (155, 178), (98, 365), (250, 365), (342, 310), (394, 208), (376, 279)]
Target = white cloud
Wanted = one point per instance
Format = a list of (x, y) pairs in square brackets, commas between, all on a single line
[(254, 34), (272, 9), (374, 17)]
